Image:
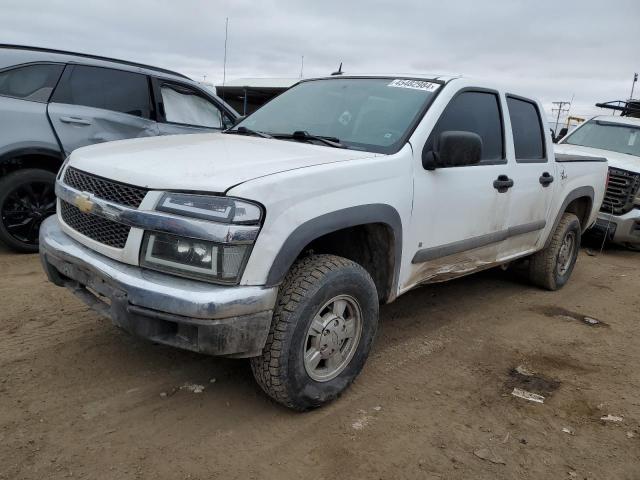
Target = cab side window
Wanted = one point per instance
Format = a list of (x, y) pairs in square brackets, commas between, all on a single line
[(185, 106), (106, 88), (476, 112), (526, 125), (31, 82)]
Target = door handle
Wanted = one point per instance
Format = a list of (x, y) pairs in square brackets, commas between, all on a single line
[(75, 120), (546, 179), (502, 183)]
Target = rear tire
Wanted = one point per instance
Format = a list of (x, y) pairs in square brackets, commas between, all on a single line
[(313, 352), (27, 197), (634, 247), (551, 267)]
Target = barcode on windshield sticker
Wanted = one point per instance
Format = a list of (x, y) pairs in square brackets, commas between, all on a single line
[(415, 85)]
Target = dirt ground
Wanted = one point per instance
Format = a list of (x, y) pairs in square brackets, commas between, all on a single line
[(80, 399)]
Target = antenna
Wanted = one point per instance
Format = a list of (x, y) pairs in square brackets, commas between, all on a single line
[(339, 71), (224, 63)]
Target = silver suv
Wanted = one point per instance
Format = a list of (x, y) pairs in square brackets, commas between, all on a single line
[(52, 102)]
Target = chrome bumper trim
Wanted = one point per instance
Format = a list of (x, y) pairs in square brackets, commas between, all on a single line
[(157, 221), (145, 288)]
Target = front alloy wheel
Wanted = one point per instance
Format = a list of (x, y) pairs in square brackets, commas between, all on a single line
[(332, 338), (322, 330)]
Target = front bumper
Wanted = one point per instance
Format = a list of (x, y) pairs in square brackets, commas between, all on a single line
[(188, 314), (623, 229)]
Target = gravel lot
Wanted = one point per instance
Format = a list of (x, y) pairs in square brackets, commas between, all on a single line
[(80, 398)]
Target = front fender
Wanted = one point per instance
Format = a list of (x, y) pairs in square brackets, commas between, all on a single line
[(331, 222)]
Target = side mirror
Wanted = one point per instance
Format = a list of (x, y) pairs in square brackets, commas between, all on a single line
[(453, 149)]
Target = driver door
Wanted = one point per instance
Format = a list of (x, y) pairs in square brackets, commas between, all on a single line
[(459, 216)]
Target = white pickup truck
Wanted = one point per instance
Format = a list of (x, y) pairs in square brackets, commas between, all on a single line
[(618, 140), (279, 238)]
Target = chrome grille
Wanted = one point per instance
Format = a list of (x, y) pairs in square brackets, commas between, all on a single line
[(115, 192), (621, 190), (97, 228)]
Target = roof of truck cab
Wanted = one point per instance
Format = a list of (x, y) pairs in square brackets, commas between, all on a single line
[(422, 76)]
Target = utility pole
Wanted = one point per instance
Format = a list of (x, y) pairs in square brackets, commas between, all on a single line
[(560, 109), (633, 84), (301, 66)]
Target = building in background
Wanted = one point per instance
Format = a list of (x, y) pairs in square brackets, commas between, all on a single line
[(246, 95)]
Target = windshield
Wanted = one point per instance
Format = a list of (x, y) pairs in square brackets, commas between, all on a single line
[(371, 114), (607, 136)]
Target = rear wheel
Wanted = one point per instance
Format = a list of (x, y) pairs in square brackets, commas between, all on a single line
[(552, 266), (323, 326), (633, 246), (27, 197)]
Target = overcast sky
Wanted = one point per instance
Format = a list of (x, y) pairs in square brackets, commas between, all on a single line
[(554, 50)]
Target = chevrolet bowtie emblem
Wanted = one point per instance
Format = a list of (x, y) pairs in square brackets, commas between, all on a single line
[(84, 203)]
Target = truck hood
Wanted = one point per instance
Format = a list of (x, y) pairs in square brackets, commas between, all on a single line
[(615, 159), (211, 162)]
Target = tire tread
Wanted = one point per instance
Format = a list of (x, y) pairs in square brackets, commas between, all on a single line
[(305, 275), (542, 265)]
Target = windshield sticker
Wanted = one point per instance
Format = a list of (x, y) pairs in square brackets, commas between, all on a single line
[(415, 85)]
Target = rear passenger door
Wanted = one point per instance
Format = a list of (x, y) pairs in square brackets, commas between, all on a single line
[(185, 109), (533, 175), (95, 104)]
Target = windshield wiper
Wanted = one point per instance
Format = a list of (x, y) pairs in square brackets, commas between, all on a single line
[(248, 131), (303, 135)]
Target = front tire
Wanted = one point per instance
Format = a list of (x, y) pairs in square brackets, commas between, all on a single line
[(324, 324), (551, 267), (27, 198)]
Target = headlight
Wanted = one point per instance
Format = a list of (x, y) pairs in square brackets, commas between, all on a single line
[(201, 259), (193, 258), (215, 209)]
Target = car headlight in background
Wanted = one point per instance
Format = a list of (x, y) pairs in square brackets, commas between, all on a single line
[(215, 209), (193, 258)]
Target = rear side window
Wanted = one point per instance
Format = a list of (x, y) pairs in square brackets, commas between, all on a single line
[(31, 82), (526, 125), (476, 112), (183, 105), (105, 88)]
